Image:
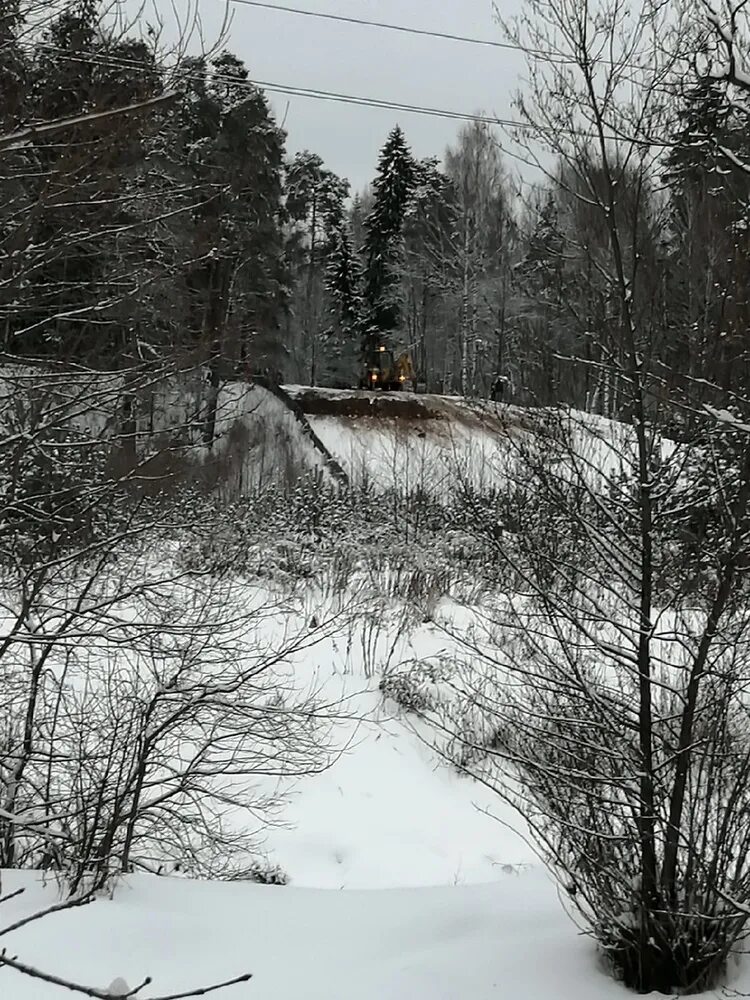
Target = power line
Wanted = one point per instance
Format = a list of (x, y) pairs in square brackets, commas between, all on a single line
[(552, 57), (374, 102), (312, 93), (319, 95), (108, 60), (363, 22)]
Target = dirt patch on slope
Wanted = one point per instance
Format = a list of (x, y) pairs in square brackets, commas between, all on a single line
[(411, 408), (368, 404)]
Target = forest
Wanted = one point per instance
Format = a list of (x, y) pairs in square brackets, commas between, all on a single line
[(187, 229), (217, 590)]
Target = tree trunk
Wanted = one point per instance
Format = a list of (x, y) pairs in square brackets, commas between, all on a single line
[(310, 320), (465, 315)]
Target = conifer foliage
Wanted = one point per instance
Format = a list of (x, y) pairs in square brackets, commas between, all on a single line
[(383, 249)]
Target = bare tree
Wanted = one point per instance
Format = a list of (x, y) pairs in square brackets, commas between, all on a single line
[(613, 698), (481, 244), (90, 491), (144, 694)]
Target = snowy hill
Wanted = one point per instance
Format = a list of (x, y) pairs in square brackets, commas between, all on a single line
[(507, 940), (427, 442), (256, 435), (407, 880), (413, 441)]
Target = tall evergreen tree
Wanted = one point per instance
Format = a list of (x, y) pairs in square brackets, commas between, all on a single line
[(383, 248), (343, 281), (708, 269), (70, 220), (428, 292), (232, 155)]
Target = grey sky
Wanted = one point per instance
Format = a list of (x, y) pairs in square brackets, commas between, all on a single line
[(307, 52)]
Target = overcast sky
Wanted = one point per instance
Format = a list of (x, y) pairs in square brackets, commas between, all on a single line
[(303, 51)]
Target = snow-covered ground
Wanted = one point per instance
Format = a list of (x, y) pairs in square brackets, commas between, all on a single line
[(409, 442), (428, 442), (389, 814), (407, 881), (389, 453), (506, 940), (402, 887), (456, 906)]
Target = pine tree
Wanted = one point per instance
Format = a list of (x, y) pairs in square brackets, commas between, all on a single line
[(72, 218), (430, 297), (227, 143), (383, 249)]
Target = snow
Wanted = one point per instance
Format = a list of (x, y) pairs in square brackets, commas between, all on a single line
[(725, 416), (407, 880), (439, 900), (390, 814), (468, 440), (508, 939), (427, 454)]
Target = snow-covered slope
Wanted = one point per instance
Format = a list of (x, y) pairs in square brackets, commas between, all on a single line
[(413, 442), (504, 941), (429, 442), (390, 814), (458, 911), (456, 907)]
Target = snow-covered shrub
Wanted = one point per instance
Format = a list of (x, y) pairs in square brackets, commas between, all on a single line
[(706, 478), (616, 720), (134, 724), (415, 687), (578, 765), (550, 719), (267, 873)]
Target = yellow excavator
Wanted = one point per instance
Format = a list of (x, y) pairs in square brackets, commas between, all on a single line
[(383, 371)]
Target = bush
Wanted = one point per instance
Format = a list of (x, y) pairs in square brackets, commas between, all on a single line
[(415, 689), (266, 873)]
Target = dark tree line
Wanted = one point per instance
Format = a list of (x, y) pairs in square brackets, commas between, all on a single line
[(187, 229)]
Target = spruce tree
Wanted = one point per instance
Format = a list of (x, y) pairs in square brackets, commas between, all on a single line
[(383, 249), (343, 277), (709, 248), (343, 282)]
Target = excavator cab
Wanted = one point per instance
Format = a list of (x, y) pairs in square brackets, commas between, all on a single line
[(382, 371), (379, 370)]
